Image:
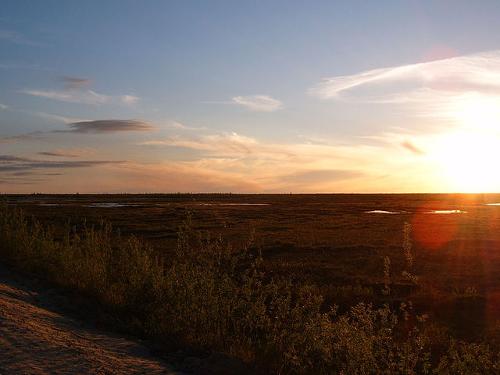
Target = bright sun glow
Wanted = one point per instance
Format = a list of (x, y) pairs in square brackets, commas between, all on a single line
[(469, 161), (476, 112), (467, 158)]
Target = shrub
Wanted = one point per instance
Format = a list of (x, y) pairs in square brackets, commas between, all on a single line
[(469, 359)]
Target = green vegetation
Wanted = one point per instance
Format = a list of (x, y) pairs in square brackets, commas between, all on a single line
[(210, 296)]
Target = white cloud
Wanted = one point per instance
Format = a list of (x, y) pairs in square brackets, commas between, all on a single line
[(223, 144), (70, 96), (407, 83), (181, 126), (76, 91), (129, 99), (58, 118), (3, 106), (82, 96), (258, 103)]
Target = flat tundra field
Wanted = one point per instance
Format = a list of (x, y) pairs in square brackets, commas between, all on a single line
[(338, 242)]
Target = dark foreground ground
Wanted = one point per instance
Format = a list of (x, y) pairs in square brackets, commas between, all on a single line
[(338, 242), (37, 337)]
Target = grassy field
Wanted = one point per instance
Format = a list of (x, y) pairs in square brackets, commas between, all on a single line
[(403, 284)]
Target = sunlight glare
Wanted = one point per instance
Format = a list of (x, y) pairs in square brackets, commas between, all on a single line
[(468, 161), (476, 112)]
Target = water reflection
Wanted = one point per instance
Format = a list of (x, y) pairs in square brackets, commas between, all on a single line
[(233, 204), (107, 205)]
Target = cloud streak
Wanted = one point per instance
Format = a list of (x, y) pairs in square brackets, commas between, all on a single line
[(82, 127), (57, 118), (89, 97), (227, 143), (420, 82), (411, 147), (385, 163), (75, 82), (22, 137), (15, 164), (67, 153), (109, 126), (72, 96), (258, 103), (235, 162), (129, 99)]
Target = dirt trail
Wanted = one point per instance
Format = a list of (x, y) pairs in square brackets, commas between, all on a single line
[(36, 339)]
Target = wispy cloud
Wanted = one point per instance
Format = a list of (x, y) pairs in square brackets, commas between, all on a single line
[(180, 126), (410, 146), (417, 83), (82, 96), (68, 152), (58, 118), (235, 162), (75, 91), (16, 164), (22, 137), (232, 143), (258, 103), (71, 96), (3, 106), (82, 127), (129, 99), (17, 38), (75, 82), (307, 166), (17, 171), (109, 126)]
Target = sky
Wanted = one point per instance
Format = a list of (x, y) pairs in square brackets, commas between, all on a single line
[(249, 96)]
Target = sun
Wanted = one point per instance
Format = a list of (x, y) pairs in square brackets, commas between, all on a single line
[(467, 156), (468, 161), (476, 112)]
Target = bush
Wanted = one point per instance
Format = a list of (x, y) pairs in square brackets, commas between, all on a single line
[(469, 359)]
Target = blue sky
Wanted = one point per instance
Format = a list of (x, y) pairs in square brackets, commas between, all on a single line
[(247, 96)]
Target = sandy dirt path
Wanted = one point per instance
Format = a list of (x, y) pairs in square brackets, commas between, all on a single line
[(37, 339)]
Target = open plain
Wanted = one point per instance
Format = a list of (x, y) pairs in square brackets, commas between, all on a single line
[(337, 242)]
